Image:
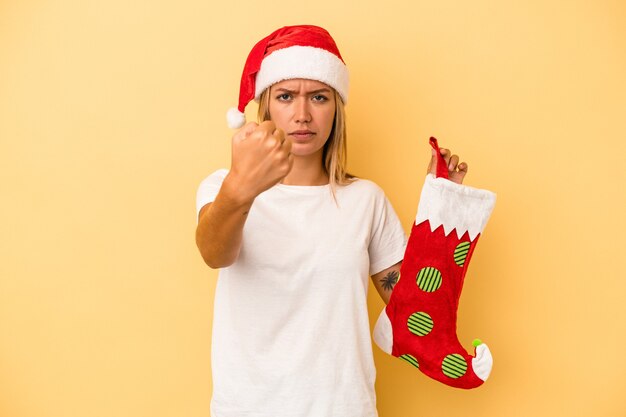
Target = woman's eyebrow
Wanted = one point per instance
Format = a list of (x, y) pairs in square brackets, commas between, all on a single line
[(321, 90), (286, 90)]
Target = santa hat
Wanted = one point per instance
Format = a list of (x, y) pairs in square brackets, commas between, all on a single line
[(302, 51)]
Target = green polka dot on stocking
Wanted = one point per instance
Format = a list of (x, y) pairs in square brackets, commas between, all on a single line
[(420, 323), (454, 366), (429, 279), (460, 253), (410, 359)]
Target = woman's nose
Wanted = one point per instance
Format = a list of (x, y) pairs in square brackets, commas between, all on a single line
[(303, 113)]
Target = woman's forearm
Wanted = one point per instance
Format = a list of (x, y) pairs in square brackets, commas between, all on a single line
[(220, 226)]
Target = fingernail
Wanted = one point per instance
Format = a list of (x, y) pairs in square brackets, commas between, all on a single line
[(432, 151)]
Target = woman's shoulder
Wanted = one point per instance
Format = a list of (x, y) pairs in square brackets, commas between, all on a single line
[(365, 186), (216, 177), (210, 185)]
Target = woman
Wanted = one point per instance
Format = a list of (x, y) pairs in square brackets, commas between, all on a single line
[(296, 238)]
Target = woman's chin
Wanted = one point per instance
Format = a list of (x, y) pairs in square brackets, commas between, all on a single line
[(304, 150)]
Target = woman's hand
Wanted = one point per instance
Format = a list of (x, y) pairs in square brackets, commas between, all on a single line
[(261, 158), (456, 171)]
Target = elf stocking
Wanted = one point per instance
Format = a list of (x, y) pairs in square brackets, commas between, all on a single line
[(419, 323)]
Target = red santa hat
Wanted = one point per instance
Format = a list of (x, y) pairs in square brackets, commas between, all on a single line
[(302, 51)]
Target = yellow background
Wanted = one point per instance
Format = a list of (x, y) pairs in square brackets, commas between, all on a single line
[(111, 113)]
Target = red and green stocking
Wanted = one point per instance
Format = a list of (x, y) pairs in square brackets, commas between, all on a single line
[(419, 323)]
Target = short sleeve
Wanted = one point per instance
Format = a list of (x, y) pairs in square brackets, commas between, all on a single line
[(388, 241), (208, 189)]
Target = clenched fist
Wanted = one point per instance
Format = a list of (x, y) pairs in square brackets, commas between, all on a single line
[(261, 158)]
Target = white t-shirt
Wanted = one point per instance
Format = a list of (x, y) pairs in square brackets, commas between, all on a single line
[(291, 334)]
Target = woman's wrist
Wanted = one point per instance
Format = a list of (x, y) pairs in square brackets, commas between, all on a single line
[(234, 191)]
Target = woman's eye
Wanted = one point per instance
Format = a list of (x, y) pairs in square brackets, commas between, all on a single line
[(320, 97), (284, 97)]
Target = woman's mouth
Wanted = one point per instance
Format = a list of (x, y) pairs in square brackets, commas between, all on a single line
[(302, 134)]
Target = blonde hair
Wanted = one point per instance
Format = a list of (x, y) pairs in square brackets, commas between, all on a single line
[(334, 156)]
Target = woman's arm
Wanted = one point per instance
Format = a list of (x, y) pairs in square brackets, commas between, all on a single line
[(261, 158), (385, 280), (220, 227)]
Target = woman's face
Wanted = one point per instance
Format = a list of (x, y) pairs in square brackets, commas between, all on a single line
[(305, 111)]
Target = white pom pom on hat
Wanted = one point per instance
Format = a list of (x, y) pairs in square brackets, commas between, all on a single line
[(302, 51), (235, 118)]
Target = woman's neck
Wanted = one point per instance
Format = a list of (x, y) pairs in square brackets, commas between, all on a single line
[(306, 171)]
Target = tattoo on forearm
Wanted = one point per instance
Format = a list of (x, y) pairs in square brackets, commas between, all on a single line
[(389, 281)]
